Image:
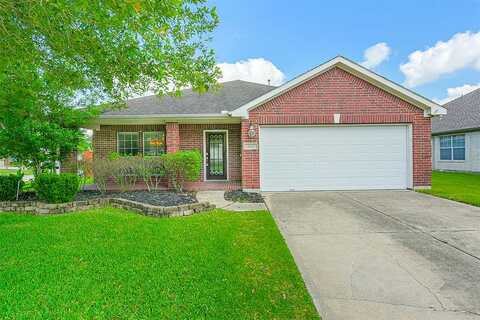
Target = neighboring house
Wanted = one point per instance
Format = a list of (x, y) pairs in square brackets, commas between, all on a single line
[(456, 136), (338, 126), (5, 163)]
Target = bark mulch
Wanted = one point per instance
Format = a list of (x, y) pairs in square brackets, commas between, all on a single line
[(158, 198)]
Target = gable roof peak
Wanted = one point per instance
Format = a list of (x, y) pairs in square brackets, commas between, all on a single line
[(430, 107)]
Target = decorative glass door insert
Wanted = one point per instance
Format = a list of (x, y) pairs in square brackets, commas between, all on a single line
[(216, 156)]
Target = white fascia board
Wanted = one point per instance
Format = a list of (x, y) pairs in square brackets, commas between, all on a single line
[(431, 108)]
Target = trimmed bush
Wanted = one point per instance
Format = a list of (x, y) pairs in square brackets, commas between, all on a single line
[(182, 166), (56, 188), (10, 185)]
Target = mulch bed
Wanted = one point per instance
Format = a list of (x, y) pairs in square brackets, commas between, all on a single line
[(241, 196), (159, 198)]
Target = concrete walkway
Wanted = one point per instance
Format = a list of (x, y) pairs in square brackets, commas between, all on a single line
[(216, 198), (384, 254)]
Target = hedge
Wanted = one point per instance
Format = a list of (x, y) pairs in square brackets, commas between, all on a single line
[(10, 185), (56, 188)]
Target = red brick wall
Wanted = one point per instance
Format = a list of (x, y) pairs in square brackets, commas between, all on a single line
[(358, 102), (191, 137), (172, 139)]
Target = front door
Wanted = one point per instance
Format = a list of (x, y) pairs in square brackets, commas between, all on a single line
[(216, 156)]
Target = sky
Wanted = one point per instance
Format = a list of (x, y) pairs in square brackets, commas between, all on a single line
[(431, 47)]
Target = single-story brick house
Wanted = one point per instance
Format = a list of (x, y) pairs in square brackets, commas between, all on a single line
[(456, 136), (338, 126)]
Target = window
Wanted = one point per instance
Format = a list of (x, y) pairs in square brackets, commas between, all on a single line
[(452, 147), (128, 143), (153, 143)]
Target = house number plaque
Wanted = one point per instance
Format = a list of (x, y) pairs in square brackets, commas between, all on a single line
[(250, 146)]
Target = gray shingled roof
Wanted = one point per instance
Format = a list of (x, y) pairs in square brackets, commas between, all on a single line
[(230, 96), (462, 114)]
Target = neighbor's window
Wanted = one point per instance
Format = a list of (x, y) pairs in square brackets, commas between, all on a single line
[(452, 147), (153, 143), (128, 143)]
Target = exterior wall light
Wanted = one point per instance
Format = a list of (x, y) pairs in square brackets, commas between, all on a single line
[(251, 131)]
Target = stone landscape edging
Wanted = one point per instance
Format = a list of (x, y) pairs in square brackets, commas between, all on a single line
[(41, 208)]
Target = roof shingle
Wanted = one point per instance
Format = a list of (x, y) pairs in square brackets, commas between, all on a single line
[(229, 97), (462, 114)]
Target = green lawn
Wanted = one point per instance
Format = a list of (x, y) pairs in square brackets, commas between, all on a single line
[(13, 171), (463, 187), (112, 264)]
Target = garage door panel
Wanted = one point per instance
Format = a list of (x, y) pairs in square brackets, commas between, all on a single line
[(333, 158)]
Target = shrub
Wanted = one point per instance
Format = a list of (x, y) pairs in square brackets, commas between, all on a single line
[(113, 156), (10, 186), (151, 171), (56, 188), (102, 170), (85, 170), (182, 166), (124, 171)]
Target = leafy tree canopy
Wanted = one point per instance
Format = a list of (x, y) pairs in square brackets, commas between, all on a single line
[(59, 55)]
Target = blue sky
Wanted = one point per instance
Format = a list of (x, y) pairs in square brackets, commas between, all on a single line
[(298, 35)]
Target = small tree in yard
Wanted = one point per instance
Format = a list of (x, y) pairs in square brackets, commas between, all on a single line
[(182, 166), (33, 133), (60, 58)]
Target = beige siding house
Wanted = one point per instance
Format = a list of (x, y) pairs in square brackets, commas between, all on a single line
[(456, 135)]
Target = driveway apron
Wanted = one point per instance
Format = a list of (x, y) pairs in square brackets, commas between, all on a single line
[(384, 254)]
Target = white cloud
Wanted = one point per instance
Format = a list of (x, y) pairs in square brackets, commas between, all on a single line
[(254, 70), (375, 55), (453, 93), (461, 51)]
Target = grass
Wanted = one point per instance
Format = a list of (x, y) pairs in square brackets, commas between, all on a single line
[(113, 264), (14, 171), (462, 187)]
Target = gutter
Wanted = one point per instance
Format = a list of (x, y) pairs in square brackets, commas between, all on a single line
[(224, 114), (439, 133), (148, 119)]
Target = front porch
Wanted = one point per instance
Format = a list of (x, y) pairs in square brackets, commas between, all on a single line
[(219, 144)]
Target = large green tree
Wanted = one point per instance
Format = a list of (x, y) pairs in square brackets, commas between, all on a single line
[(59, 58)]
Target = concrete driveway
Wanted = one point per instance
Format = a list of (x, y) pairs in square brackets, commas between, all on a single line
[(384, 254)]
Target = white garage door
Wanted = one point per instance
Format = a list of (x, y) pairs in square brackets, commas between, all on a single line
[(333, 158)]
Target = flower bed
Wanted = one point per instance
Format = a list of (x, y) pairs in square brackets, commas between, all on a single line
[(159, 198), (36, 207), (244, 197)]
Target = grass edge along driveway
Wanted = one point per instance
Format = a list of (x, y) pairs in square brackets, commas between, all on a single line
[(457, 186), (109, 263)]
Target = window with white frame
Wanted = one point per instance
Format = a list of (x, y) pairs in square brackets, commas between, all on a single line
[(452, 147), (153, 143), (128, 143)]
